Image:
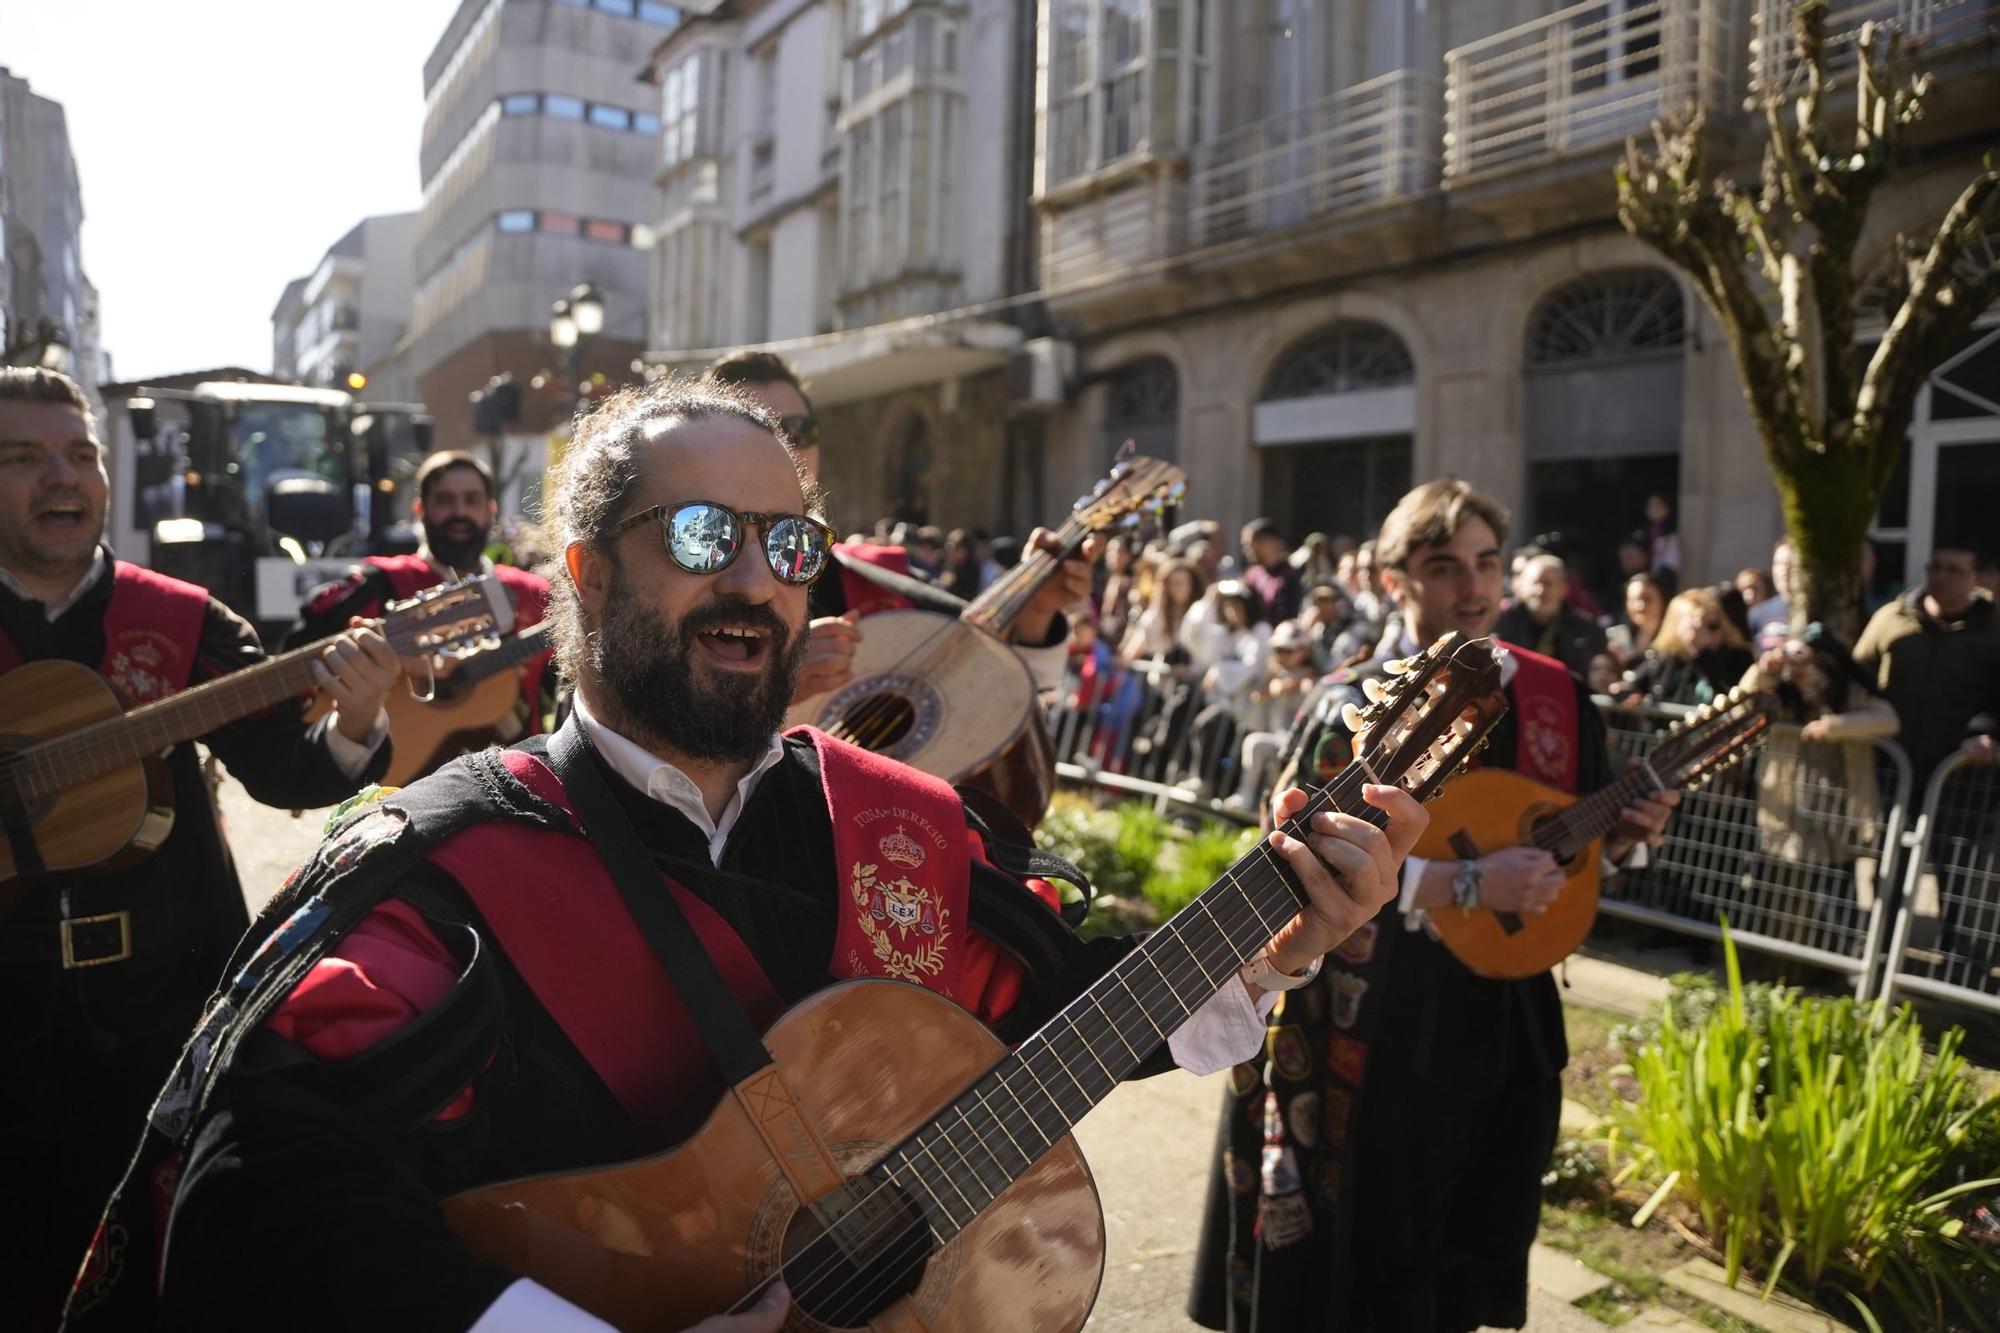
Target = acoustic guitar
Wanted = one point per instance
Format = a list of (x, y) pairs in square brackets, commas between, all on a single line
[(949, 696), (897, 1166), (1491, 808), (76, 768), (464, 711)]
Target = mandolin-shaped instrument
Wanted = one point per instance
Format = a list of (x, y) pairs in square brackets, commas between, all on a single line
[(949, 696), (948, 1193), (1492, 808), (79, 768)]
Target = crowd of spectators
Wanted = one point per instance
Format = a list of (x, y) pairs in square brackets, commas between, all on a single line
[(1195, 653)]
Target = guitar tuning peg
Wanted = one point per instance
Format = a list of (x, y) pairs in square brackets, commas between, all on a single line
[(1373, 687), (1353, 718), (1396, 666)]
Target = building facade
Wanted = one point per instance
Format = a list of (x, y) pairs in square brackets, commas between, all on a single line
[(41, 235), (347, 316), (831, 176), (537, 162), (1318, 249)]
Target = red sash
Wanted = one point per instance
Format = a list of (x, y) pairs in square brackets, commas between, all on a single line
[(152, 627), (899, 839), (865, 598), (568, 933), (411, 574), (1545, 719)]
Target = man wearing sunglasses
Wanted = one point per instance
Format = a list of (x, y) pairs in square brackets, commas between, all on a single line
[(459, 990), (871, 577)]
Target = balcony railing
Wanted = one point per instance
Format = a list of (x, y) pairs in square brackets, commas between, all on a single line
[(1580, 78), (1935, 24), (1368, 143)]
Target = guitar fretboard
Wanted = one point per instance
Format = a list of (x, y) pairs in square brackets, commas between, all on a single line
[(1011, 1117)]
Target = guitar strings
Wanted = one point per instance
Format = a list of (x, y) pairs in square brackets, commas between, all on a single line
[(1327, 797), (1241, 907)]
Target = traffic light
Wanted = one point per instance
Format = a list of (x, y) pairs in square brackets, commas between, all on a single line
[(356, 381)]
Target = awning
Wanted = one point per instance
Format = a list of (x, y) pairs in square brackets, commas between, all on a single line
[(882, 359)]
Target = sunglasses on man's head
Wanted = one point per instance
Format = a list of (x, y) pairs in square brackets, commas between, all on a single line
[(802, 430), (703, 537)]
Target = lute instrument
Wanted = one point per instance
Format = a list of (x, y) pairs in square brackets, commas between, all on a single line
[(950, 1193), (1491, 808), (949, 696), (81, 773)]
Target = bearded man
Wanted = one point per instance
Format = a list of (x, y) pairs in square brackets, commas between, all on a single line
[(456, 508), (471, 982)]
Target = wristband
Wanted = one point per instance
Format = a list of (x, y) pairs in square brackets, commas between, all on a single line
[(1466, 884)]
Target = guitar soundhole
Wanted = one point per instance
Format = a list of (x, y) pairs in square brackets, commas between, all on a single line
[(895, 715), (870, 1258)]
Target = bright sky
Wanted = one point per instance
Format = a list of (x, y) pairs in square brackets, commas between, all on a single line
[(223, 145)]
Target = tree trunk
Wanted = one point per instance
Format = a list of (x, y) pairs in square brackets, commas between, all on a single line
[(1829, 500)]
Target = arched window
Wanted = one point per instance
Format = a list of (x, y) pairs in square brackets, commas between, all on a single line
[(1607, 316), (1334, 425), (1340, 358), (1143, 404), (1603, 396)]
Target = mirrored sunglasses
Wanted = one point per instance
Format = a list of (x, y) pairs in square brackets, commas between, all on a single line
[(703, 537), (802, 430)]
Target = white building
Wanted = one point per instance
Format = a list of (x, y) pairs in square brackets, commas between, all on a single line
[(1318, 249), (41, 234), (829, 174), (346, 316)]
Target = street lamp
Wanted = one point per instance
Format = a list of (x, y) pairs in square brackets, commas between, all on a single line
[(573, 321)]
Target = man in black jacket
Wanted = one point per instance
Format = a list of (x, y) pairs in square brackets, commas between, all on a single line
[(1542, 619), (103, 972), (1382, 1170)]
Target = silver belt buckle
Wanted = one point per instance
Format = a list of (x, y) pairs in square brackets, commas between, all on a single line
[(70, 931)]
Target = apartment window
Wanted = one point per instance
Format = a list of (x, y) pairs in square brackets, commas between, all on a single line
[(691, 98), (516, 220), (1114, 85), (868, 15), (665, 16), (610, 117), (622, 8), (645, 122), (611, 233), (562, 224), (562, 106), (520, 104)]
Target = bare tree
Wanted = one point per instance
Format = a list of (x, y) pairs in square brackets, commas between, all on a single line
[(1777, 267)]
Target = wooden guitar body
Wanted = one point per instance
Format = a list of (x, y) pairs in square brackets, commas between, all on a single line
[(461, 718), (668, 1241), (105, 823), (971, 709), (1483, 811)]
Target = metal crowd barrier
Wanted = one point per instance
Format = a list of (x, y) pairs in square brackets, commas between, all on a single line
[(1796, 847), (1799, 847), (1946, 941), (1133, 730)]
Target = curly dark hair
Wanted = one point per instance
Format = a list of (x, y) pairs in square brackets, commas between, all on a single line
[(589, 489)]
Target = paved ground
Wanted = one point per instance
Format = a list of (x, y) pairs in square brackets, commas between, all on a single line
[(1147, 1145)]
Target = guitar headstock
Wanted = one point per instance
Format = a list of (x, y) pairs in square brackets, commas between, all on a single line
[(1431, 714), (1133, 485), (1719, 734), (449, 618)]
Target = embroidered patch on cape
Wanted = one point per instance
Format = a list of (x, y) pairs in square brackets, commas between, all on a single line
[(1347, 1058), (1359, 947), (1339, 1103), (1347, 992)]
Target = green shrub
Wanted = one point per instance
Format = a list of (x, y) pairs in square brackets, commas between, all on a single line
[(1130, 851), (1811, 1137)]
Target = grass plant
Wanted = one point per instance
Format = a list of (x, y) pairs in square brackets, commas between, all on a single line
[(1818, 1143)]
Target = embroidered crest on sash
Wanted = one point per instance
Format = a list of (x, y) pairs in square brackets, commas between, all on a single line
[(142, 664), (906, 923), (1545, 740)]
